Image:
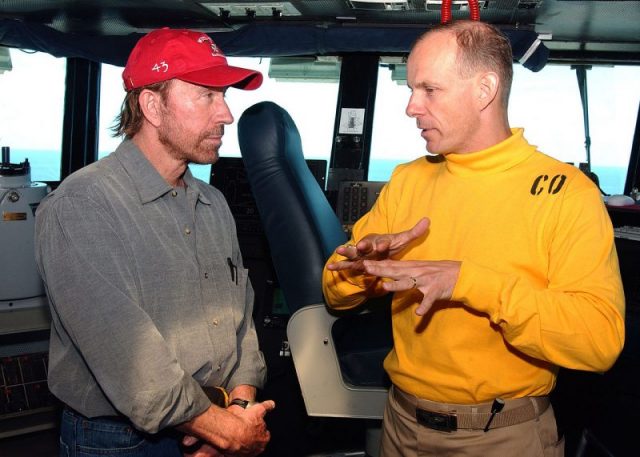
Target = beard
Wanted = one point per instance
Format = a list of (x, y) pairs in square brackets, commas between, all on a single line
[(182, 145)]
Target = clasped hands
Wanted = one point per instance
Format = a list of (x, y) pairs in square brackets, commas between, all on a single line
[(373, 254), (243, 432)]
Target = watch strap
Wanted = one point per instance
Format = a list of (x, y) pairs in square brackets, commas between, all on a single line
[(240, 402)]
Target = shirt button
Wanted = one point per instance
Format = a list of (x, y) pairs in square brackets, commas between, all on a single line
[(187, 231), (174, 193), (206, 275), (216, 322), (219, 367)]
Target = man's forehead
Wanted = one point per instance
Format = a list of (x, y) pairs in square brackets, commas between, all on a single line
[(436, 43), (433, 52)]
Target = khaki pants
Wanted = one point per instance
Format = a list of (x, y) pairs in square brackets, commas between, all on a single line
[(403, 436)]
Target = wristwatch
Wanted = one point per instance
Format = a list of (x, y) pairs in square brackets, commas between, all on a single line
[(240, 402)]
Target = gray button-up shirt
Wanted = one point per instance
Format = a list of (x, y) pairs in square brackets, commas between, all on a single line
[(148, 294)]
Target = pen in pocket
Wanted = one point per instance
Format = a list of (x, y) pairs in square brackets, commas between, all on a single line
[(233, 270)]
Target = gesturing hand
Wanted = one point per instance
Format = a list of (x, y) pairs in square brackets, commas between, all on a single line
[(377, 247), (435, 279)]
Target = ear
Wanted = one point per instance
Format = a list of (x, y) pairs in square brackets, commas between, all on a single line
[(487, 88), (151, 106)]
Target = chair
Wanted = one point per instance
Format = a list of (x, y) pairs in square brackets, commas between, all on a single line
[(337, 358)]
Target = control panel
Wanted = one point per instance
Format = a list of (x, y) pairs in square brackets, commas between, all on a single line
[(355, 199)]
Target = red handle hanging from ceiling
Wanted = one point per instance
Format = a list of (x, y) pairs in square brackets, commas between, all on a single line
[(474, 10), (445, 11)]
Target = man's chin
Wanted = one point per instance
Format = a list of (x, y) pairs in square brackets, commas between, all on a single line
[(206, 157)]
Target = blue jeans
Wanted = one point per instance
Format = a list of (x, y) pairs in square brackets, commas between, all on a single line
[(84, 437)]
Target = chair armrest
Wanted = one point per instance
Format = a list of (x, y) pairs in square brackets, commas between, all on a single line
[(314, 355)]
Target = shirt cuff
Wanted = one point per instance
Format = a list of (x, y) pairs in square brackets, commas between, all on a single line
[(182, 403)]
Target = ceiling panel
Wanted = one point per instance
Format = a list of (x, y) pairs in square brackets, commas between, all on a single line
[(571, 24)]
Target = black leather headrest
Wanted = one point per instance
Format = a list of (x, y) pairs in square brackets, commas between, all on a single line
[(301, 227)]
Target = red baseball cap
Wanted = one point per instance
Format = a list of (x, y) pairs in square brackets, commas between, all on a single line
[(190, 56)]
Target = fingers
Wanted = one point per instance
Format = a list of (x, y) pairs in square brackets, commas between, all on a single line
[(269, 405), (404, 283), (409, 283), (346, 265), (376, 247), (421, 227), (347, 250), (189, 440), (204, 451), (397, 241), (401, 239), (394, 269), (265, 407), (381, 244), (360, 250), (434, 279), (258, 410), (424, 306), (353, 262)]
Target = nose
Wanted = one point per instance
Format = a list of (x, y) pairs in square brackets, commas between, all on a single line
[(223, 113), (412, 109)]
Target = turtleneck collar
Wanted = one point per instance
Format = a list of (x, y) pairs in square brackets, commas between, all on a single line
[(495, 159)]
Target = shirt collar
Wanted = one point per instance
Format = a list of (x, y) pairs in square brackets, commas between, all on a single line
[(497, 158), (193, 183), (149, 184)]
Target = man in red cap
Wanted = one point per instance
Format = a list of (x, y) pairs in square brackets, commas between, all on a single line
[(150, 303)]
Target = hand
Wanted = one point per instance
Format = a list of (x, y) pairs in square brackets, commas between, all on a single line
[(435, 279), (377, 247), (252, 428), (230, 432)]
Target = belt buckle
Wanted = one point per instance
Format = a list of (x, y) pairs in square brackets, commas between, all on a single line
[(437, 421)]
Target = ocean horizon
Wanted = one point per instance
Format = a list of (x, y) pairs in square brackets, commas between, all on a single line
[(45, 166)]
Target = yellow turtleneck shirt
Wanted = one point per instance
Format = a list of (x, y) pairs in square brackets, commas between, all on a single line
[(539, 286)]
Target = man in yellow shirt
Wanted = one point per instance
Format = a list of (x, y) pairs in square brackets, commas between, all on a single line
[(501, 260)]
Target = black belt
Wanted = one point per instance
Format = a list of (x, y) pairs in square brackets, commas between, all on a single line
[(448, 417), (120, 418)]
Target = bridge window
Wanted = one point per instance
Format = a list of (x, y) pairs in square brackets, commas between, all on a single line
[(32, 109), (311, 104), (111, 98), (395, 138), (547, 104)]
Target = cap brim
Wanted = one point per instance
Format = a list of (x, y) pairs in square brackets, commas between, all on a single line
[(224, 76)]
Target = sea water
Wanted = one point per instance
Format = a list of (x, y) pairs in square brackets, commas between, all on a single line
[(45, 166)]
